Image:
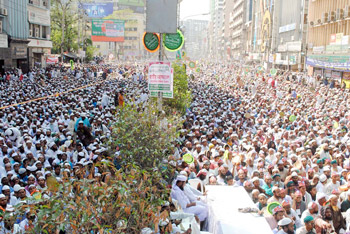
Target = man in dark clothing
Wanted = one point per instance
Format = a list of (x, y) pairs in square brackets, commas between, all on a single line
[(84, 134), (345, 205)]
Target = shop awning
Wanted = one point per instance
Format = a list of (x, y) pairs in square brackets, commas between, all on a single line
[(71, 55)]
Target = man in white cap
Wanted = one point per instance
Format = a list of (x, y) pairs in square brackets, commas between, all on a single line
[(276, 195), (321, 186), (312, 210), (333, 184), (286, 226), (178, 194)]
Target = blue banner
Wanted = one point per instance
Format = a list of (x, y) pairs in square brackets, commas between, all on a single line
[(97, 10), (328, 65)]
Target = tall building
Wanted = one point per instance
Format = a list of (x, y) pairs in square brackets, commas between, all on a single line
[(328, 39), (217, 19), (39, 45), (195, 38), (248, 32), (289, 36), (226, 36), (13, 35), (237, 25), (131, 47)]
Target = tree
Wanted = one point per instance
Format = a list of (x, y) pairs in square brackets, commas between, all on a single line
[(132, 196), (63, 28), (182, 95)]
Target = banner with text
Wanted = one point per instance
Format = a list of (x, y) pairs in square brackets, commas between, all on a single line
[(97, 10), (160, 79), (108, 30)]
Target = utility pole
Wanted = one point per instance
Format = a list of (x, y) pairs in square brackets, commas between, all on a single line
[(63, 27), (160, 94)]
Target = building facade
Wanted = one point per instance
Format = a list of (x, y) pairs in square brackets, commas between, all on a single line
[(195, 32), (39, 20), (217, 19), (13, 35), (226, 35), (131, 47), (328, 52), (289, 36), (238, 29)]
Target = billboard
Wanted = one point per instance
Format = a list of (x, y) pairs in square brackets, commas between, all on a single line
[(136, 3), (98, 10), (161, 16), (108, 30), (137, 6)]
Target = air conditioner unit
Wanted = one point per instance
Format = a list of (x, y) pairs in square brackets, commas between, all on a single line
[(319, 21), (0, 26), (312, 23), (292, 38), (36, 32), (339, 14), (30, 31), (325, 18), (347, 12), (45, 3), (331, 16)]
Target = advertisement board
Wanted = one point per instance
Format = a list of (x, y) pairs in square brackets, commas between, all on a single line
[(161, 16), (97, 10), (108, 30), (137, 6), (136, 3), (328, 65), (160, 79)]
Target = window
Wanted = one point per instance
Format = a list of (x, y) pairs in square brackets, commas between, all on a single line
[(43, 32), (37, 32), (30, 30)]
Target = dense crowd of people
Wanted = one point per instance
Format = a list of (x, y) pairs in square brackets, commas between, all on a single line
[(284, 138), (55, 122)]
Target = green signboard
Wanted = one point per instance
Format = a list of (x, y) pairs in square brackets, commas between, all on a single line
[(273, 71), (192, 64), (173, 41), (107, 30), (151, 42)]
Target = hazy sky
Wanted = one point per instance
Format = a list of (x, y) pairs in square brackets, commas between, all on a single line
[(194, 7)]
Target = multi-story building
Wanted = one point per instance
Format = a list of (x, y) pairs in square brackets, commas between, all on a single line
[(13, 35), (328, 52), (289, 34), (195, 38), (131, 47), (39, 32), (248, 25), (225, 49), (217, 19), (237, 25)]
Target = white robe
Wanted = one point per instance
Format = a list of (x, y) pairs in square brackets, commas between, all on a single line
[(198, 210)]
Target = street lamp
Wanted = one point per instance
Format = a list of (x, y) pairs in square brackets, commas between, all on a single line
[(202, 14)]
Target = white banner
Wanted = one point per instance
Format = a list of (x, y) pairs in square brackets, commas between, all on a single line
[(160, 79)]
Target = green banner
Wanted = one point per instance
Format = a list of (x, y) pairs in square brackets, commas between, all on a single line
[(151, 42), (107, 30), (173, 41)]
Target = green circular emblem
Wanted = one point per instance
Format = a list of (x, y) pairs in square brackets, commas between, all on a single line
[(151, 42), (173, 41)]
